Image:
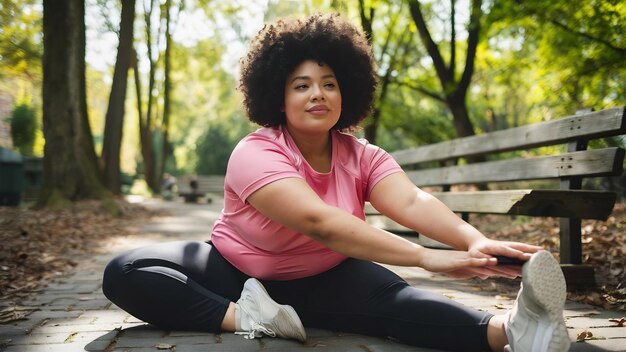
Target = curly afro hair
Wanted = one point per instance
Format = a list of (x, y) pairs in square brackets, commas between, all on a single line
[(281, 46)]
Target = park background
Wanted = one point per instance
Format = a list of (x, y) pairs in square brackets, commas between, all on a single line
[(106, 97)]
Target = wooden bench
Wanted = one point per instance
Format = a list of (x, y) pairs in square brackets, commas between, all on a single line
[(445, 166), (207, 185)]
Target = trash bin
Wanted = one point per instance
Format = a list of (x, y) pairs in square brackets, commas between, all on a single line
[(11, 177), (33, 179)]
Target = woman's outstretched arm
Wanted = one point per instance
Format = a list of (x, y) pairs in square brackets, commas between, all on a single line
[(399, 199)]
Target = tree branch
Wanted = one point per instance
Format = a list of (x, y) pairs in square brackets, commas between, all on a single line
[(452, 63), (472, 43), (366, 22), (431, 46), (422, 90), (586, 35), (390, 34), (386, 79)]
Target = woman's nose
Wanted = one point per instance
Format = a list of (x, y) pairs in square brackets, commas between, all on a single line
[(317, 93)]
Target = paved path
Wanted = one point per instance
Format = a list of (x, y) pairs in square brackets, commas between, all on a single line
[(72, 314)]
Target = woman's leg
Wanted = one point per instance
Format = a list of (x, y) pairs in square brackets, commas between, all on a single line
[(366, 298), (177, 285)]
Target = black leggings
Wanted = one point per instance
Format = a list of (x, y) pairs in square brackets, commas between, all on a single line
[(188, 286)]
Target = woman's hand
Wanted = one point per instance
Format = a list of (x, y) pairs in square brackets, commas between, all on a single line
[(486, 248), (478, 261), (459, 264)]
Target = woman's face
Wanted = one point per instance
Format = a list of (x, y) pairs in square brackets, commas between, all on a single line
[(312, 98)]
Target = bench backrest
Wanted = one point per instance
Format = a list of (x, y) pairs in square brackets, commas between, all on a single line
[(587, 125), (206, 184), (576, 130)]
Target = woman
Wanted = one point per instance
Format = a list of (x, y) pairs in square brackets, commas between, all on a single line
[(292, 229)]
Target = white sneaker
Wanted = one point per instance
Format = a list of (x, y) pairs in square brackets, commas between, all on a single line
[(257, 314), (535, 324)]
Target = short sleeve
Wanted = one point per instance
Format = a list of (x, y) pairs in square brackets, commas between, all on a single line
[(256, 162), (376, 165)]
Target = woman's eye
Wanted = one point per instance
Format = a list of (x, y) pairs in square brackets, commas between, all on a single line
[(329, 85), (301, 86)]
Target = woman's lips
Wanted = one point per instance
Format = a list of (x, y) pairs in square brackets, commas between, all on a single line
[(318, 110)]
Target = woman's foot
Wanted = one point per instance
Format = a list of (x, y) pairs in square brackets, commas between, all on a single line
[(535, 324), (256, 314)]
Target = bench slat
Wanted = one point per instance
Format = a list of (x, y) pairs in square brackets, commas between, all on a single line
[(206, 184), (557, 203), (589, 125), (598, 162)]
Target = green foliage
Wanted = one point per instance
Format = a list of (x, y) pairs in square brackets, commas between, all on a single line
[(213, 148), (21, 45), (410, 119), (536, 61), (281, 8), (204, 98), (571, 57), (24, 127), (213, 151)]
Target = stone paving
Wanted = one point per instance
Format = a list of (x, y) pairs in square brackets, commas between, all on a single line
[(72, 314)]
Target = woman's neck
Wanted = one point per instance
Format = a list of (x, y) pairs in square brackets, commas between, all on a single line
[(316, 149)]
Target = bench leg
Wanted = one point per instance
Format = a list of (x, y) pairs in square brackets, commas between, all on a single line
[(577, 275), (571, 241)]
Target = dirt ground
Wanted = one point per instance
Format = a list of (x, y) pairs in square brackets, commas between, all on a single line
[(604, 247)]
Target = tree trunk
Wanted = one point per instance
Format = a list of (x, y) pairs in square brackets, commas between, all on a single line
[(114, 122), (167, 89), (70, 162), (462, 123), (145, 138), (367, 18), (146, 125)]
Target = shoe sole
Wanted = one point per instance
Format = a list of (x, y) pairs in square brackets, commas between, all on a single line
[(544, 285), (286, 313)]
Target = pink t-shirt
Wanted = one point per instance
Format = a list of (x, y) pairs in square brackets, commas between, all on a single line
[(266, 249)]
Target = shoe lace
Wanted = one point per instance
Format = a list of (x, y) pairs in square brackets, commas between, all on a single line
[(256, 329)]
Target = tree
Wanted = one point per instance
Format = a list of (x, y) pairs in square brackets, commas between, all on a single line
[(20, 46), (70, 163), (208, 100), (213, 150), (453, 87), (153, 132), (21, 49), (167, 90), (114, 120), (390, 56), (146, 120), (577, 52)]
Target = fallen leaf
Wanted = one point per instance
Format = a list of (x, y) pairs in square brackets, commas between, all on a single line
[(585, 335), (618, 322), (38, 245), (70, 337), (604, 248)]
